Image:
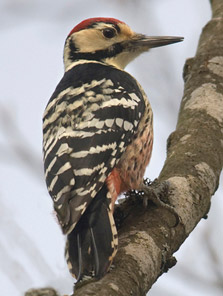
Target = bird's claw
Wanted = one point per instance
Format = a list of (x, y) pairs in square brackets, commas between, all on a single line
[(154, 192)]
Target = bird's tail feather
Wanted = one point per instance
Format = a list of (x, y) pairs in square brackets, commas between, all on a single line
[(92, 245)]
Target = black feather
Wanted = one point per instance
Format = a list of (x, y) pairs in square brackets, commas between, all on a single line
[(91, 243)]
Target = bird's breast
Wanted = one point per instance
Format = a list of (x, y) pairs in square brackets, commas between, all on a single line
[(137, 155)]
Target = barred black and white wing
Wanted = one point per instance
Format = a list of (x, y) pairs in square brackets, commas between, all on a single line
[(87, 126)]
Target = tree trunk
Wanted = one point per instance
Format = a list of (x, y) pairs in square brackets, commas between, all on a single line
[(149, 237)]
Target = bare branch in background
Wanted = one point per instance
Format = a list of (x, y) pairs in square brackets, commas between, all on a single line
[(18, 144), (215, 261)]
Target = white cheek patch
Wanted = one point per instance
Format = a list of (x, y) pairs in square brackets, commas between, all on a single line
[(91, 40)]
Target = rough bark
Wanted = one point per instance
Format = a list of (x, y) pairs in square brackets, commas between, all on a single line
[(149, 237), (42, 292)]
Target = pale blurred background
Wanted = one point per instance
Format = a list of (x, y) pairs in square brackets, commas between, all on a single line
[(32, 35)]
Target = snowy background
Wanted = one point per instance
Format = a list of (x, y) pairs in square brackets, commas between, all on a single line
[(32, 35)]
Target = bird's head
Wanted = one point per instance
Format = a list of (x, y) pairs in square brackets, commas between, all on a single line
[(109, 40)]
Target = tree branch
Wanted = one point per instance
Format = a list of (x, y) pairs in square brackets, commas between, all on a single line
[(149, 237)]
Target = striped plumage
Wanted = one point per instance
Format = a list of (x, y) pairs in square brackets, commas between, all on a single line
[(97, 138)]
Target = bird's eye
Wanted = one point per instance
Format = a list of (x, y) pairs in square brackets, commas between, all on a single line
[(109, 32)]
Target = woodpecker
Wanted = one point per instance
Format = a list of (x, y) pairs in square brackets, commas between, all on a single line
[(97, 138)]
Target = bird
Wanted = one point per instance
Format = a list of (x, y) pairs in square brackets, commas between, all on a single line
[(97, 138)]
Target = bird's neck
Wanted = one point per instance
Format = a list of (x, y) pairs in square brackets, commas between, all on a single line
[(114, 56)]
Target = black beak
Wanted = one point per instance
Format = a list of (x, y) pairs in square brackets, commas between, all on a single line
[(146, 42)]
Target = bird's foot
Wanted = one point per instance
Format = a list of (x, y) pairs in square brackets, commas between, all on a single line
[(157, 192)]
